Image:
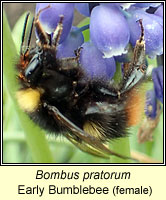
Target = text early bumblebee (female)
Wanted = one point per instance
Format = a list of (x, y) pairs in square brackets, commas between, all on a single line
[(60, 98)]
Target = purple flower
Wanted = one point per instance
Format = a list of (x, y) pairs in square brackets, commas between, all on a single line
[(125, 5), (157, 77), (151, 104), (127, 56), (153, 28), (156, 94), (146, 5), (94, 64), (159, 11), (109, 30), (49, 18), (112, 26), (73, 41), (85, 8)]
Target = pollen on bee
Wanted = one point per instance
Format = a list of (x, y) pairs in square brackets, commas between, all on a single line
[(28, 99)]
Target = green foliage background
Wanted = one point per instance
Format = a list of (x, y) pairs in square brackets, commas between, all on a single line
[(24, 142)]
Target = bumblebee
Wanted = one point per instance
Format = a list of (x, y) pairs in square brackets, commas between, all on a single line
[(59, 97)]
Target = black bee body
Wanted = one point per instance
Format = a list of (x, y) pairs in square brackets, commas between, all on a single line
[(59, 96), (108, 113), (73, 94)]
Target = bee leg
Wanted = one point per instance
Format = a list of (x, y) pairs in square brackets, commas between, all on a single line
[(139, 50), (43, 36), (57, 33), (70, 63), (136, 69), (78, 52)]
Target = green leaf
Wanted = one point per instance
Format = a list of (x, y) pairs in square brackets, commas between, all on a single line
[(36, 139), (152, 62), (86, 33), (122, 147)]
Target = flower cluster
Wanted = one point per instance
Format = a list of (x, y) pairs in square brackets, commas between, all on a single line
[(156, 94), (114, 29)]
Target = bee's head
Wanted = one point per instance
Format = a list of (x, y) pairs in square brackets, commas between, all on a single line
[(34, 69)]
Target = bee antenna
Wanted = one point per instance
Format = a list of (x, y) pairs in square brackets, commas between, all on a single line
[(23, 34)]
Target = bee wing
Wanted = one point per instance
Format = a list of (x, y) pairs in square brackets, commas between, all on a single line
[(85, 147), (94, 145)]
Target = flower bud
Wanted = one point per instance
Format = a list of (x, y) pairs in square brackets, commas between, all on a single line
[(159, 11), (49, 18), (94, 64), (73, 41), (153, 31), (85, 8), (157, 77), (151, 104), (146, 5), (109, 30)]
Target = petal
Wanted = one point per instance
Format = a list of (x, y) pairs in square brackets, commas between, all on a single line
[(124, 58), (71, 43), (157, 77), (85, 8), (49, 18), (94, 64), (146, 5), (125, 5), (153, 31), (151, 104), (159, 11), (109, 30)]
